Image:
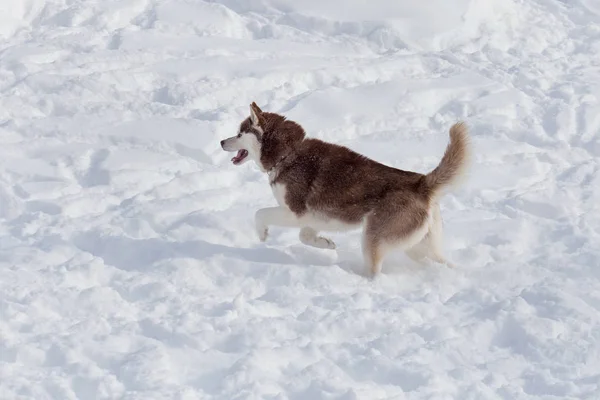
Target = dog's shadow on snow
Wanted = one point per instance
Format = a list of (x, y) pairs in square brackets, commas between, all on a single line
[(136, 254), (131, 254)]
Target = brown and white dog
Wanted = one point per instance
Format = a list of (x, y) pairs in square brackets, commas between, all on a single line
[(326, 187)]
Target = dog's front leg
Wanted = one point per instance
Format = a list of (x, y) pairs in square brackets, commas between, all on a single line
[(273, 216), (310, 237)]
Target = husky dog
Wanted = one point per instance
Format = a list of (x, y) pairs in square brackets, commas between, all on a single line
[(326, 187)]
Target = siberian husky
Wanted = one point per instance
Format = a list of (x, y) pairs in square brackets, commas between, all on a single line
[(321, 186)]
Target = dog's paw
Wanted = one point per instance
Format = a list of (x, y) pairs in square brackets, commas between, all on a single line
[(262, 229), (262, 232), (374, 277), (324, 243), (309, 237)]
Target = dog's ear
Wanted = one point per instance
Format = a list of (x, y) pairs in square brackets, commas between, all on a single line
[(256, 115), (256, 107)]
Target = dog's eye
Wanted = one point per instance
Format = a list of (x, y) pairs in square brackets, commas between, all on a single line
[(239, 134)]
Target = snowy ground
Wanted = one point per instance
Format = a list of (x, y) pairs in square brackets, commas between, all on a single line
[(129, 268)]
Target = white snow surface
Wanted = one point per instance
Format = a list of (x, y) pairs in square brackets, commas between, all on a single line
[(129, 266)]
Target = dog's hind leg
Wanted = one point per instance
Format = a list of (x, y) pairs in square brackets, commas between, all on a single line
[(419, 252), (373, 252), (310, 237), (431, 245), (385, 231)]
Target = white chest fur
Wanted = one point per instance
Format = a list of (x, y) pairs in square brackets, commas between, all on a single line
[(279, 193)]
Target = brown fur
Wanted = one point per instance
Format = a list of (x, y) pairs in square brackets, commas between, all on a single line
[(454, 162), (336, 183)]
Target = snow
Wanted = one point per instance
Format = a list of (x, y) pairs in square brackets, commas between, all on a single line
[(129, 267)]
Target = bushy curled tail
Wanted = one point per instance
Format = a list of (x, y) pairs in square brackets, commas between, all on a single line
[(454, 163)]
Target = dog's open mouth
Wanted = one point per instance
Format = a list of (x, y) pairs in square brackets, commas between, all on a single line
[(239, 157)]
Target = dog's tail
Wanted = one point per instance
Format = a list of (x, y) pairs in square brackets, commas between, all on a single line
[(454, 163)]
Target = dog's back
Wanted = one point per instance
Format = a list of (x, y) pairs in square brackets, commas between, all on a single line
[(339, 183)]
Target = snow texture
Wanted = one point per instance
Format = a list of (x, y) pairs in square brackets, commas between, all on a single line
[(129, 267)]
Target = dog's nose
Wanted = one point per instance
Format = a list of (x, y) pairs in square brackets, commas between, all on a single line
[(222, 141)]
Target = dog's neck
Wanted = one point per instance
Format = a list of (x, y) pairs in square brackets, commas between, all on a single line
[(273, 172)]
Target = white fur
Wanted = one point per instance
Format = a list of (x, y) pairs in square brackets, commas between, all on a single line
[(284, 217), (310, 237), (310, 223), (279, 193), (249, 142), (431, 245)]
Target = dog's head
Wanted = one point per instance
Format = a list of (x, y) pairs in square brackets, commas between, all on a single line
[(266, 138)]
